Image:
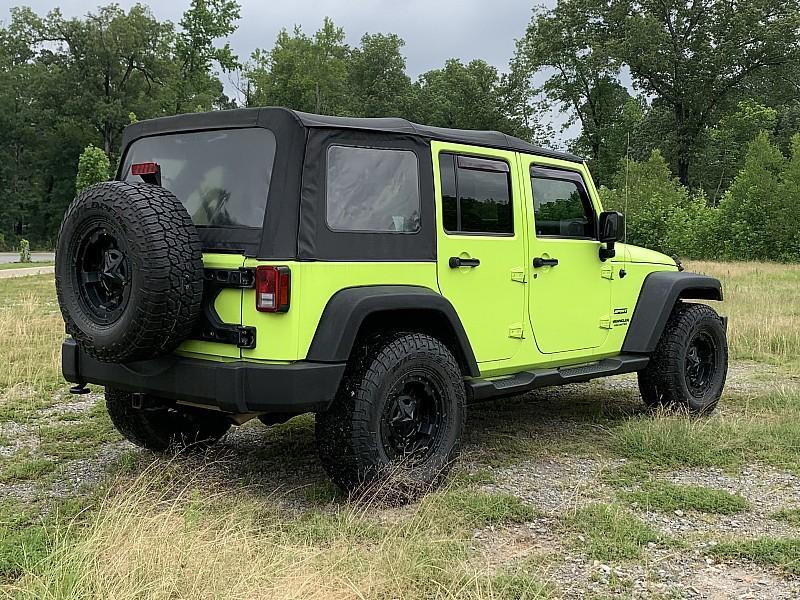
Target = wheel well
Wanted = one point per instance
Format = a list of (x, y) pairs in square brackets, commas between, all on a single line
[(430, 322)]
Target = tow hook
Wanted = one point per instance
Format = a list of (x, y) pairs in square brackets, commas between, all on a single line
[(79, 389)]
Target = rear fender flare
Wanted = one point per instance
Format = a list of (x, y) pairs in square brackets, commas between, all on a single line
[(347, 310)]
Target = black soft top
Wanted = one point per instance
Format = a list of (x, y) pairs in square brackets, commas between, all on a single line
[(295, 226), (259, 117)]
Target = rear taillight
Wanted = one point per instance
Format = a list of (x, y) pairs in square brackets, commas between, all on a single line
[(273, 285)]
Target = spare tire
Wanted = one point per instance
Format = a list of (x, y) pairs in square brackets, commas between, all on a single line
[(129, 271)]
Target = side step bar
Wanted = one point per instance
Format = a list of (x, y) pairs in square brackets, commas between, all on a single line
[(483, 389)]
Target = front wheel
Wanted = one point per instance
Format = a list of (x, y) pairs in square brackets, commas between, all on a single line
[(688, 368), (399, 414)]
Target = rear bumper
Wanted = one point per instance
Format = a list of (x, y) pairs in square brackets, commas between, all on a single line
[(236, 387)]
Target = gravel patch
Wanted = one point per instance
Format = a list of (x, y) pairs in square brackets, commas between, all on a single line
[(555, 485)]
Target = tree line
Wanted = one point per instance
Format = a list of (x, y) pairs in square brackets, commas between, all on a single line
[(685, 110)]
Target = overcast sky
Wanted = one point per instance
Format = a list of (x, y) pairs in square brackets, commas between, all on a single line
[(434, 30)]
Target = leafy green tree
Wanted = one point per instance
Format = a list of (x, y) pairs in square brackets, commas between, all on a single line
[(93, 167), (567, 46), (695, 56), (470, 96), (726, 145), (648, 194), (19, 120), (605, 140), (24, 251), (195, 83), (760, 211), (113, 62), (377, 77), (303, 72)]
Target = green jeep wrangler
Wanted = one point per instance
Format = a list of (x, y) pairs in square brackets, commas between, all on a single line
[(265, 263)]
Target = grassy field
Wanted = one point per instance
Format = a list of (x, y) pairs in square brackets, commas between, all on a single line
[(19, 265), (575, 492)]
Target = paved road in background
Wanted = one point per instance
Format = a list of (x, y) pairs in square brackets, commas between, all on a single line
[(10, 257)]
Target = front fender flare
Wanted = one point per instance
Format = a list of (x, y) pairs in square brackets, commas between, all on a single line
[(348, 308), (660, 291)]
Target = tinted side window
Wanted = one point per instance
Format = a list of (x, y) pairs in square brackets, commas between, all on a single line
[(476, 195), (561, 208), (372, 189)]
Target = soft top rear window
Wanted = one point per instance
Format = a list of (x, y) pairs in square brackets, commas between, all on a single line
[(222, 177)]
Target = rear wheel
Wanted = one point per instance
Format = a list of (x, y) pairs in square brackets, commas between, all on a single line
[(398, 414), (690, 363), (161, 426)]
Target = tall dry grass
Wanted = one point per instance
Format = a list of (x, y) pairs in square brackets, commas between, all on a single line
[(151, 540), (762, 301), (31, 331)]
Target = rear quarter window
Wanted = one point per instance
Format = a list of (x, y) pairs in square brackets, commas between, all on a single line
[(221, 177), (372, 190)]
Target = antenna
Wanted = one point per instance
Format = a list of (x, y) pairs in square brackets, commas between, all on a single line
[(627, 160)]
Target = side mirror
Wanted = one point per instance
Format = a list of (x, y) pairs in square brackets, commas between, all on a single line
[(612, 226)]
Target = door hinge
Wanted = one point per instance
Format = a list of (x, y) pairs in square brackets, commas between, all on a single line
[(518, 274), (515, 331), (605, 322), (607, 271)]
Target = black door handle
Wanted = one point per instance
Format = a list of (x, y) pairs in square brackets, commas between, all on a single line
[(456, 261), (539, 262)]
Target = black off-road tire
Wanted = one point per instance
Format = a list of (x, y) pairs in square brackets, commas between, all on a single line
[(161, 426), (159, 272), (351, 434), (667, 381)]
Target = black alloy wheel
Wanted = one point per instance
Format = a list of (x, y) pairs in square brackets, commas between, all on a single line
[(700, 363), (412, 420), (398, 416), (103, 273)]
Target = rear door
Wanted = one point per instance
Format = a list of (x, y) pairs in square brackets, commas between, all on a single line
[(570, 287), (480, 245)]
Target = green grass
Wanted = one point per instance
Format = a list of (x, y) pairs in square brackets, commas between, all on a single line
[(765, 432), (788, 515), (78, 439), (459, 508), (778, 552), (19, 265), (516, 585), (370, 549), (668, 497), (611, 533), (22, 466)]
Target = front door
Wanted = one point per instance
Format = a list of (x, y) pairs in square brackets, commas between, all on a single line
[(480, 245), (570, 287)]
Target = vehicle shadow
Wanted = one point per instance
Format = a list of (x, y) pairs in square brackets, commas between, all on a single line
[(280, 462)]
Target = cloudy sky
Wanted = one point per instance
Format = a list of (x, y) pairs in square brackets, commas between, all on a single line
[(434, 30)]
